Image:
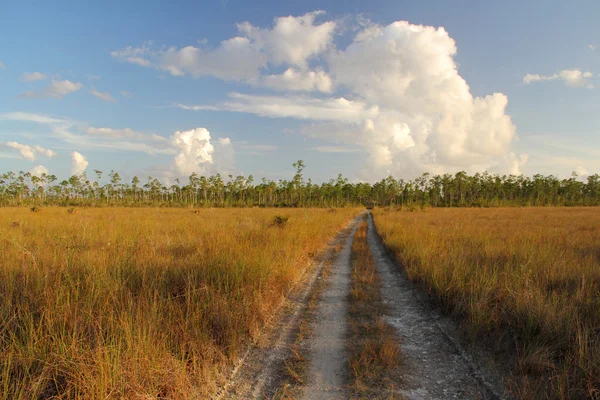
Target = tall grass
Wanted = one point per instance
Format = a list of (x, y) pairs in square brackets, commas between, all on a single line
[(530, 276), (142, 303)]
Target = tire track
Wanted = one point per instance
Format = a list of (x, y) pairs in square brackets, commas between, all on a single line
[(435, 365)]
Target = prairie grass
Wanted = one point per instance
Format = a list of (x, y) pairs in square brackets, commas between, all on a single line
[(142, 303), (529, 277), (374, 351)]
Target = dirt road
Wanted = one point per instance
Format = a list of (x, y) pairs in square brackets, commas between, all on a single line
[(434, 364), (327, 355)]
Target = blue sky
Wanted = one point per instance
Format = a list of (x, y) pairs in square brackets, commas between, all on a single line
[(347, 90)]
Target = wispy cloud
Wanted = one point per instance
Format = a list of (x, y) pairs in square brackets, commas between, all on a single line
[(56, 90), (571, 77), (81, 136), (32, 76), (30, 152), (103, 95), (197, 107)]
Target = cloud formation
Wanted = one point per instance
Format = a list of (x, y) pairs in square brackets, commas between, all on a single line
[(192, 151), (78, 163), (399, 97), (32, 77), (196, 153), (103, 95), (30, 152), (56, 90), (571, 77), (38, 171), (299, 80), (290, 41)]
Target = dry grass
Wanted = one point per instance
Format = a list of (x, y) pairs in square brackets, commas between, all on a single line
[(374, 350), (142, 303), (530, 276)]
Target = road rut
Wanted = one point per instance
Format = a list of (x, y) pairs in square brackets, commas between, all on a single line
[(327, 356), (434, 367)]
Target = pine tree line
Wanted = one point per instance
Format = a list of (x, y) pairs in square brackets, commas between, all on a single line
[(449, 190)]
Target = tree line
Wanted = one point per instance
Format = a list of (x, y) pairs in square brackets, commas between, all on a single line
[(448, 190)]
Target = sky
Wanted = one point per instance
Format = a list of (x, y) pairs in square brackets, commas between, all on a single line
[(363, 88)]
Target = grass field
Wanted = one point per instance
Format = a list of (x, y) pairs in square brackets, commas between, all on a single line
[(529, 277), (142, 303)]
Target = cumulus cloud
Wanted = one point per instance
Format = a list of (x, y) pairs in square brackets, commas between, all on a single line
[(56, 90), (30, 152), (571, 77), (103, 95), (78, 163), (396, 93), (298, 80), (39, 171), (291, 40), (196, 153), (428, 119), (32, 77)]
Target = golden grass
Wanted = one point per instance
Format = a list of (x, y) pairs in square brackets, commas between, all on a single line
[(142, 303), (530, 276), (373, 347)]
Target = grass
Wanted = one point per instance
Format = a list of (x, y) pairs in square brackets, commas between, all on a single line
[(374, 351), (528, 278), (142, 303)]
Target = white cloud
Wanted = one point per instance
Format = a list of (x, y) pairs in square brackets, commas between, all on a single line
[(397, 95), (32, 77), (125, 133), (196, 153), (126, 94), (2, 65), (103, 95), (30, 152), (299, 80), (79, 135), (196, 107), (582, 171), (300, 107), (78, 163), (571, 77), (57, 90), (592, 47), (427, 118), (39, 171), (291, 40)]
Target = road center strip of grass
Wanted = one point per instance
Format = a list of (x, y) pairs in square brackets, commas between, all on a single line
[(374, 351)]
